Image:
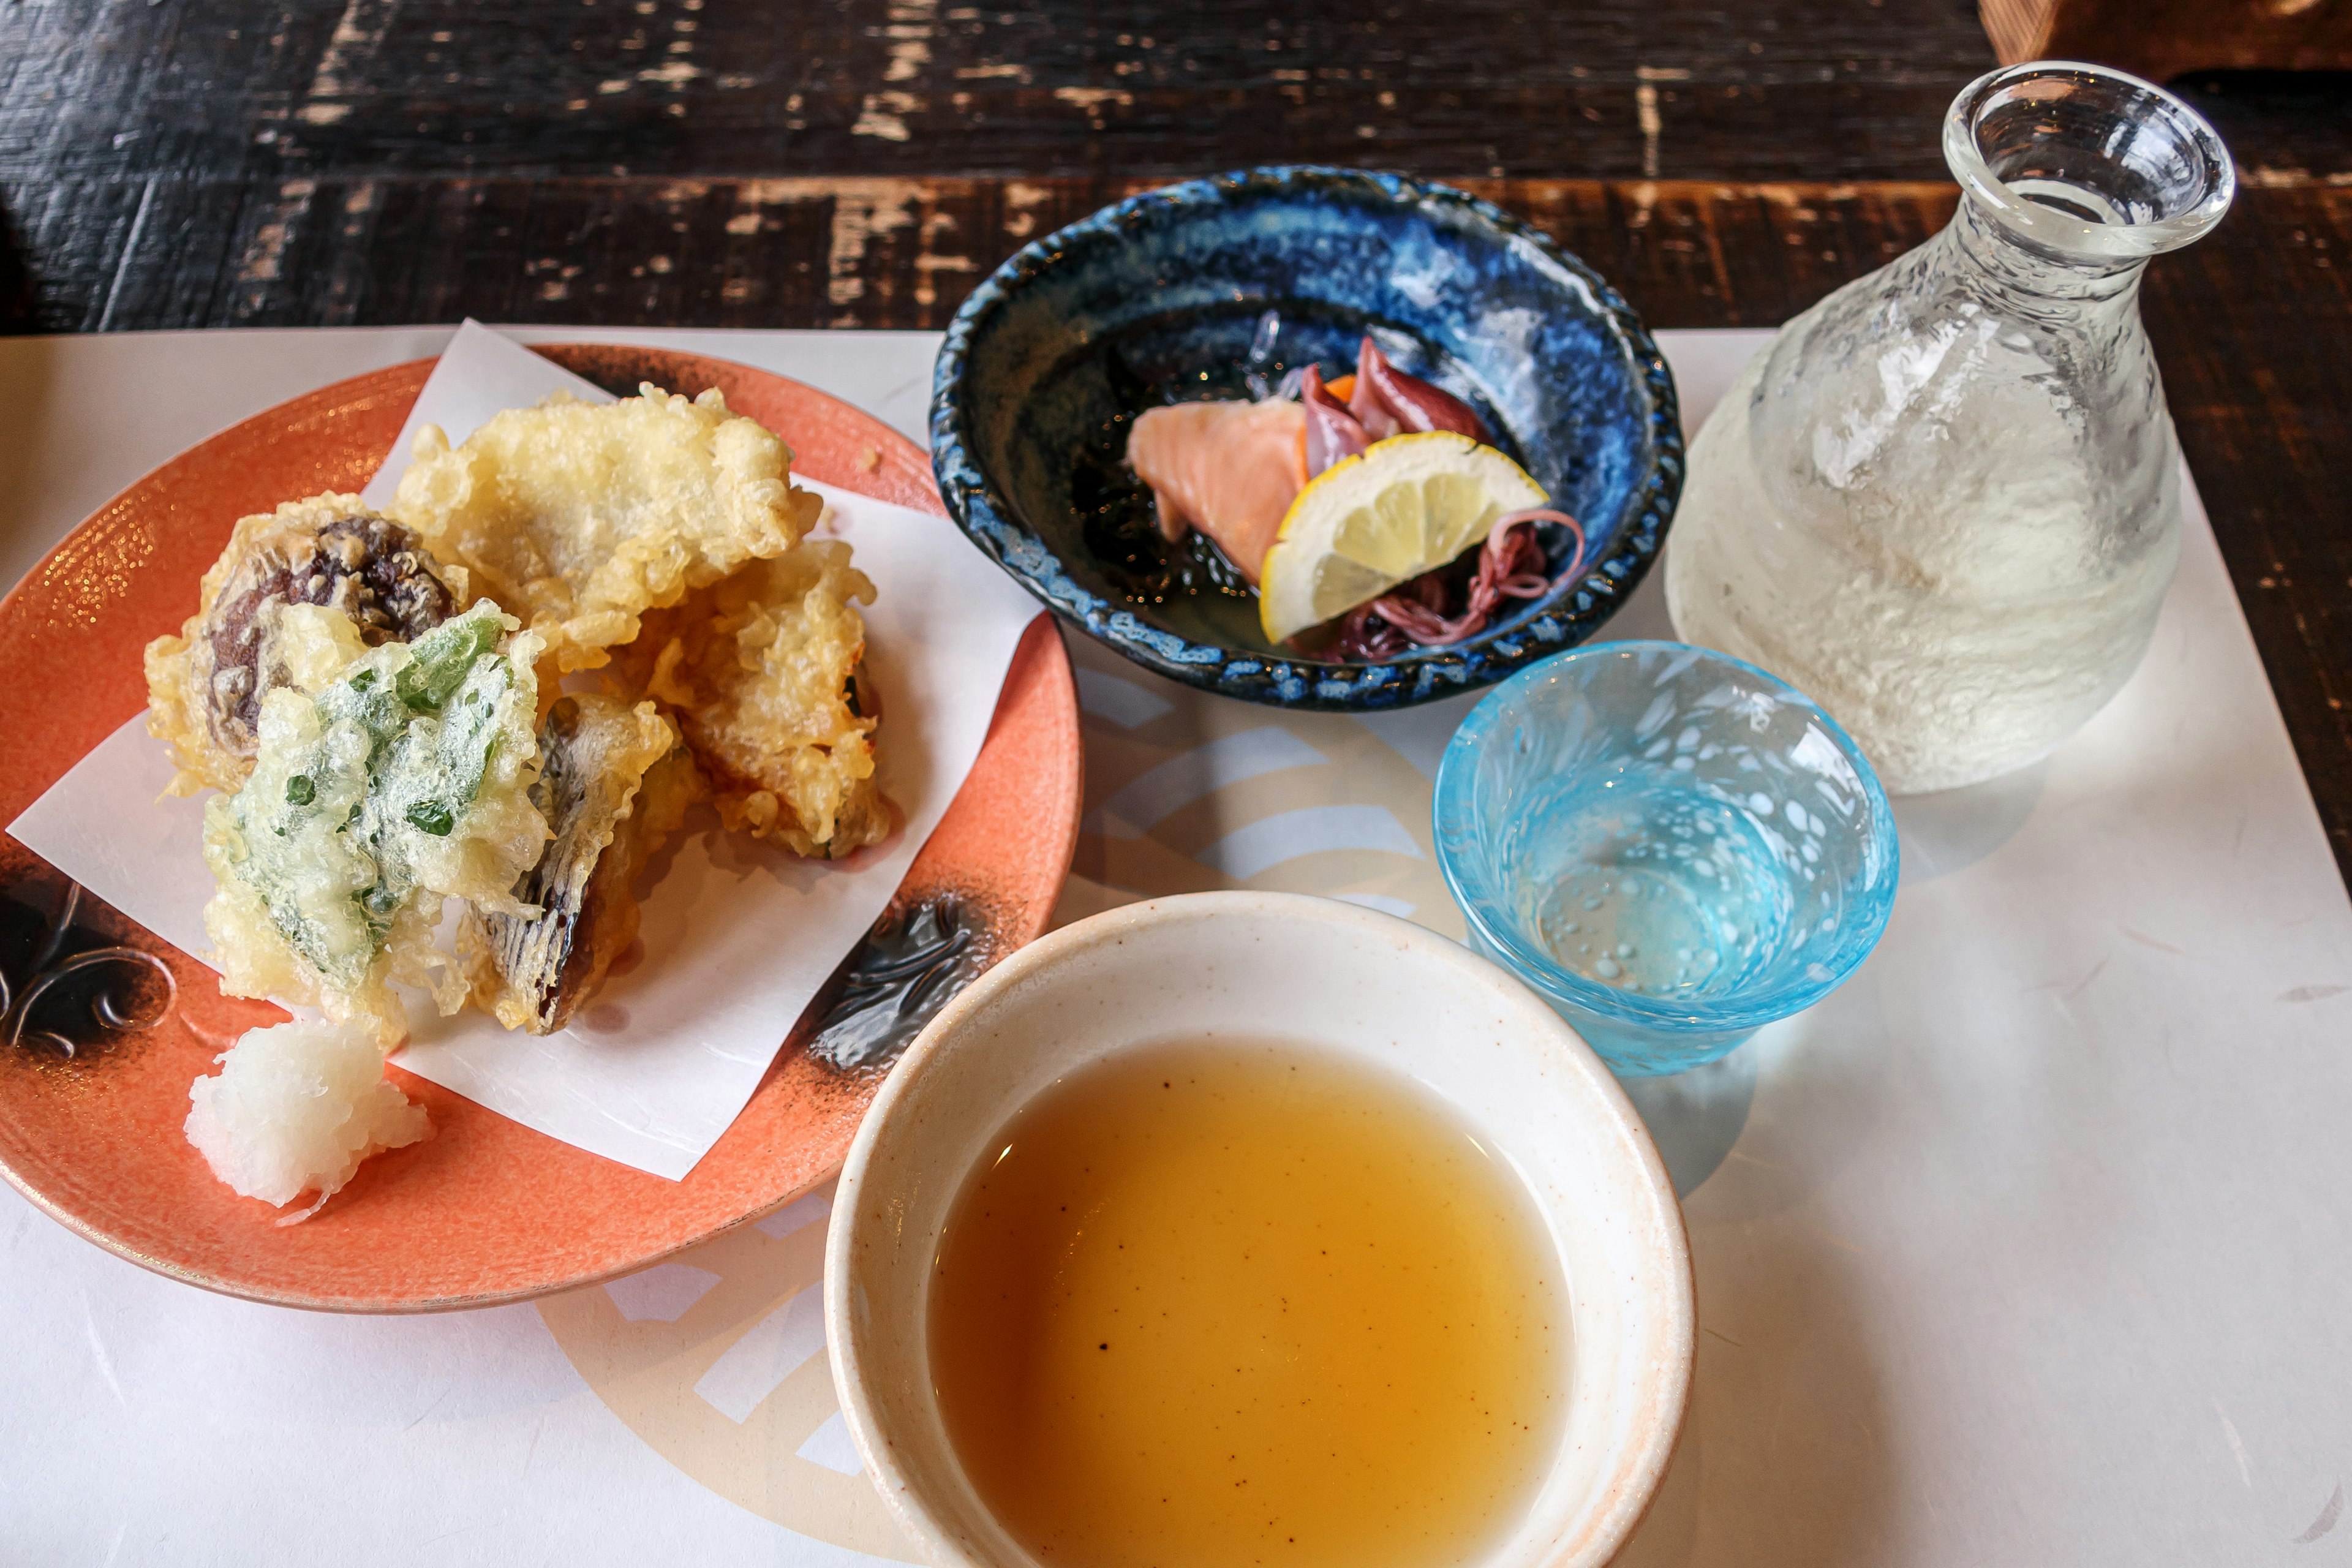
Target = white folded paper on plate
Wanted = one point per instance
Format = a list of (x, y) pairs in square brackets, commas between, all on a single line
[(738, 936)]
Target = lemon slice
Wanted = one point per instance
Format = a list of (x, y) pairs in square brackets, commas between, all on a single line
[(1363, 525)]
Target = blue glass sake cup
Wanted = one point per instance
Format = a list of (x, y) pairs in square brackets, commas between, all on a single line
[(1672, 847)]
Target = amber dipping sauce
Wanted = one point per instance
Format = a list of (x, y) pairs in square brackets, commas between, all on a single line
[(1221, 1303)]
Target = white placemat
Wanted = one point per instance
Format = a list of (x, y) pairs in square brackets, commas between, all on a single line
[(2028, 1246)]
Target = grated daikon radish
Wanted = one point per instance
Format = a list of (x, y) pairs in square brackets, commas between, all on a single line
[(296, 1108)]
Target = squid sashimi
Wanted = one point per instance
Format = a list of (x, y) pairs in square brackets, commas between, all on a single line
[(1333, 433), (1388, 402), (1230, 470)]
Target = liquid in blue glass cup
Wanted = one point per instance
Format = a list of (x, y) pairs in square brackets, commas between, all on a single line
[(1672, 847)]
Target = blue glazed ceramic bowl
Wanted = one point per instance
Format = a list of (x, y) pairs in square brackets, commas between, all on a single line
[(1169, 296), (1672, 847)]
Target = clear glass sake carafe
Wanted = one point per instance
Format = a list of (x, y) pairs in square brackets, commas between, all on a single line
[(1945, 502)]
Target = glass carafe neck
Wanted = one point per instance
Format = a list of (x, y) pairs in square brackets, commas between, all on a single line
[(2073, 175), (1986, 259)]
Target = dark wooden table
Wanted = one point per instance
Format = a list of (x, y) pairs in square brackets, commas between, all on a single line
[(863, 162)]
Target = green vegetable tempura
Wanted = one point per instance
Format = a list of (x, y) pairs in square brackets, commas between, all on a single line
[(404, 779)]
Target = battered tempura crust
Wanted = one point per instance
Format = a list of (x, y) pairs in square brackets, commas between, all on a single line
[(758, 667), (404, 781), (583, 516), (378, 751), (614, 784), (204, 686)]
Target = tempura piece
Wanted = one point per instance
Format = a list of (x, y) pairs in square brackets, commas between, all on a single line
[(204, 686), (405, 779), (615, 782), (295, 1108), (759, 669), (583, 516)]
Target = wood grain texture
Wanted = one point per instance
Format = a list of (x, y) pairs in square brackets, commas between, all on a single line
[(2253, 333), (859, 252), (237, 161), (2283, 127), (2160, 39), (258, 90)]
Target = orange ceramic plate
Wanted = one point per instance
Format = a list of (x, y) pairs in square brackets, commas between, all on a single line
[(487, 1210)]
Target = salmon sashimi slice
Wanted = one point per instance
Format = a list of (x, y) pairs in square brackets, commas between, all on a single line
[(1230, 470)]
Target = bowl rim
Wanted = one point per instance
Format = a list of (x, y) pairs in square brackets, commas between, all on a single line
[(1632, 1484), (1449, 797), (1570, 614)]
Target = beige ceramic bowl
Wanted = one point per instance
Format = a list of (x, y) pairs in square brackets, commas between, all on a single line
[(1342, 978)]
